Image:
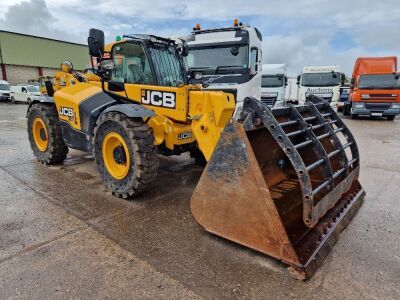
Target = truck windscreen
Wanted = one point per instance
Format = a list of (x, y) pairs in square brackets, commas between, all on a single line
[(272, 81), (4, 87), (320, 79), (226, 56), (379, 81), (32, 88)]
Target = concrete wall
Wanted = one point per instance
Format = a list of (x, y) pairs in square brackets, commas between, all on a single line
[(49, 71), (21, 74)]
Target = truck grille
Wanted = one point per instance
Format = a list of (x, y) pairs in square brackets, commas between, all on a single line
[(391, 97), (270, 101), (377, 106)]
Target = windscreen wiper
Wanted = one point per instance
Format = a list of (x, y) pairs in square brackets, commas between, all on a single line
[(225, 67)]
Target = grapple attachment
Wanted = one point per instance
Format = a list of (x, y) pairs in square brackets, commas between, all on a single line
[(282, 181)]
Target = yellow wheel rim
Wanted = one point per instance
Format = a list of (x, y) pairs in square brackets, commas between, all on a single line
[(116, 155), (40, 135)]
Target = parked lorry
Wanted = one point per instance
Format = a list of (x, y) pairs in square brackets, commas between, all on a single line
[(273, 84), (227, 59), (322, 81), (375, 88)]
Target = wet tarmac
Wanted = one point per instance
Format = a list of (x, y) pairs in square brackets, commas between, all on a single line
[(62, 235)]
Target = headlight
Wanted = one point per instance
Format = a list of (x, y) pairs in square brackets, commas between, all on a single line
[(358, 105), (365, 96), (396, 105)]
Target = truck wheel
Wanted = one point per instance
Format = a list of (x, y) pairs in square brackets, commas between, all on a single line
[(45, 134), (12, 99), (391, 118), (125, 154), (29, 100)]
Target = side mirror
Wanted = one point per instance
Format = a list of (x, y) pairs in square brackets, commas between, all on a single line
[(343, 78), (116, 86), (184, 48), (286, 80), (353, 81), (96, 42), (298, 79)]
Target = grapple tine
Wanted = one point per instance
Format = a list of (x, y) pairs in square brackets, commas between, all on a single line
[(280, 181)]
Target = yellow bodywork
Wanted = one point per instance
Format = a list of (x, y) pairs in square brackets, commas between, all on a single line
[(198, 116), (71, 97)]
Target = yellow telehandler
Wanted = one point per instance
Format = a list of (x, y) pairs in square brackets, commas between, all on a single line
[(281, 181)]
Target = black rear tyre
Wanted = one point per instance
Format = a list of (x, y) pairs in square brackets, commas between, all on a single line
[(125, 154), (391, 118), (45, 135)]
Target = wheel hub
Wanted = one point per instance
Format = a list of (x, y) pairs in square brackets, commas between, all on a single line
[(119, 155), (116, 155), (43, 134)]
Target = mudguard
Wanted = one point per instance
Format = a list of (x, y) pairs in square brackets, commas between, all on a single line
[(131, 110), (40, 99)]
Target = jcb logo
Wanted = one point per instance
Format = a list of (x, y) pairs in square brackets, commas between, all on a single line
[(185, 135), (66, 111), (159, 98)]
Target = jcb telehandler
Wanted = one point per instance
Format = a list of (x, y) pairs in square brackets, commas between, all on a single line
[(281, 181)]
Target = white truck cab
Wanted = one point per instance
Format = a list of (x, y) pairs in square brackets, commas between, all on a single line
[(24, 93), (4, 90), (227, 59), (273, 84), (322, 81)]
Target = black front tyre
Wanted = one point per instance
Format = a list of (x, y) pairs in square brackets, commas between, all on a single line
[(12, 99), (391, 118), (198, 156), (45, 135), (125, 154)]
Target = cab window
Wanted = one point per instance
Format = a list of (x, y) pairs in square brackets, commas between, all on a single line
[(254, 59), (131, 64)]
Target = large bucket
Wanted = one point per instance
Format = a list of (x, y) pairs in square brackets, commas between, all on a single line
[(283, 182)]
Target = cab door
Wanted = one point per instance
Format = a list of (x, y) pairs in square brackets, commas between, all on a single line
[(150, 79)]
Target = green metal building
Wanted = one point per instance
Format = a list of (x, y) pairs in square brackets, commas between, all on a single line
[(25, 57)]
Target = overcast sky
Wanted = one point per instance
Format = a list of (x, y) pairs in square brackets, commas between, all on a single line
[(299, 33)]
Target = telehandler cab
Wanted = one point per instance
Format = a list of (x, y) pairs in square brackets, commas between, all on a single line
[(281, 181)]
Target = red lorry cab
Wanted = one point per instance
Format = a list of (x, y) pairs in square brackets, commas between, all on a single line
[(375, 88)]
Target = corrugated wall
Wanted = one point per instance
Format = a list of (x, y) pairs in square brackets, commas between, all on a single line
[(17, 49), (21, 74)]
